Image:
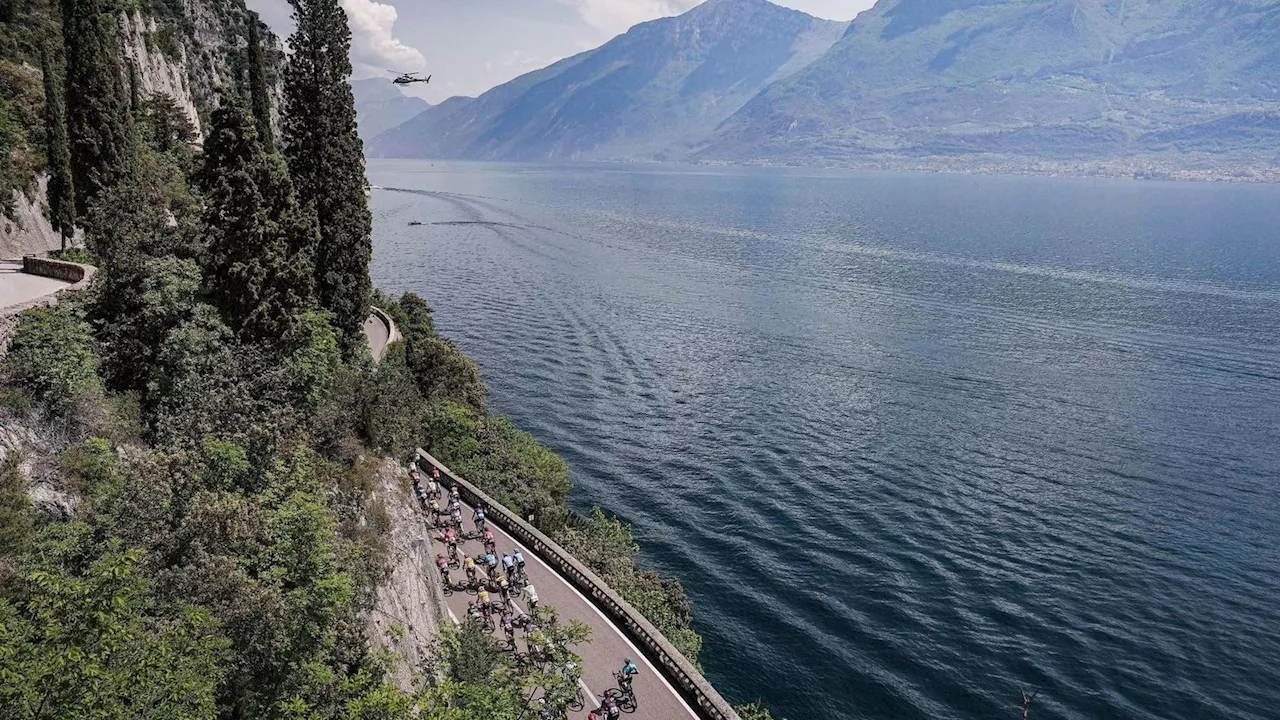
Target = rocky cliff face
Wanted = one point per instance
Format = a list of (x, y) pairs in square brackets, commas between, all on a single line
[(189, 56), (409, 608)]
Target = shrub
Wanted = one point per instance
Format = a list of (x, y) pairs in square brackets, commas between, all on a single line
[(53, 357)]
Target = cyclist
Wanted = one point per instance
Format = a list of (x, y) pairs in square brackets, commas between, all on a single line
[(519, 561), (509, 627), (531, 594), (456, 517), (487, 536), (433, 507), (611, 709), (491, 564), (482, 597), (443, 566), (450, 538), (628, 671), (470, 566), (477, 516), (453, 493)]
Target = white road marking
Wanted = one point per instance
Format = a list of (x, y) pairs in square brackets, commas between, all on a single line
[(583, 684)]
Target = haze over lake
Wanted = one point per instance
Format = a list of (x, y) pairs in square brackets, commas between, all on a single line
[(912, 443)]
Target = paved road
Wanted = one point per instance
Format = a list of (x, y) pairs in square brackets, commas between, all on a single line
[(656, 699), (17, 287), (376, 333)]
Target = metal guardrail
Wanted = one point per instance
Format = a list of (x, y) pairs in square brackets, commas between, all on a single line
[(678, 670)]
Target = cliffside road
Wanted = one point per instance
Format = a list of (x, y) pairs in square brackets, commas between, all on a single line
[(375, 331), (17, 287), (656, 698)]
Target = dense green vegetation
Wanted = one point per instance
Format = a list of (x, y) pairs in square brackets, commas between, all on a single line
[(224, 549), (326, 159), (219, 421)]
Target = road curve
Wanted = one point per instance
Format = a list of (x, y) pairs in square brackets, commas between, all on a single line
[(656, 698), (17, 287)]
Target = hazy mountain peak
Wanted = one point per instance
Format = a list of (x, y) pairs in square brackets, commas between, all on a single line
[(653, 92)]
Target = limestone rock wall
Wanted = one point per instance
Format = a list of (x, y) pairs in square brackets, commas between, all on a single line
[(409, 608), (31, 231)]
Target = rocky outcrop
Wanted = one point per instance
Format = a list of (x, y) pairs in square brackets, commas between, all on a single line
[(189, 59), (159, 58), (29, 232), (36, 446), (409, 608)]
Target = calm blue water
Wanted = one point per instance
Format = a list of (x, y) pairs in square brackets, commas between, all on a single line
[(912, 443)]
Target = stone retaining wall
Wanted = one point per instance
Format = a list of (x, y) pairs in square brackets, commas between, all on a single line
[(59, 269)]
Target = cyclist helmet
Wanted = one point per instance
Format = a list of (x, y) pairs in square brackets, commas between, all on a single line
[(626, 661)]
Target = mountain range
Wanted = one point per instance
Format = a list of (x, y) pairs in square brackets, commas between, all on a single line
[(381, 106), (651, 93), (1162, 87)]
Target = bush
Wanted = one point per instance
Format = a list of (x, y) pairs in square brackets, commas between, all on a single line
[(605, 545), (53, 357), (754, 711)]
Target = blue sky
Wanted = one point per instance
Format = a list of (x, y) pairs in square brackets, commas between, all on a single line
[(471, 45)]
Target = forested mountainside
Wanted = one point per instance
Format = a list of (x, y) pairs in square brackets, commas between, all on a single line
[(651, 93), (203, 505), (1159, 86)]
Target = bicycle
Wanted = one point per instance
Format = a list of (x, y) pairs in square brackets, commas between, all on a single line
[(626, 694)]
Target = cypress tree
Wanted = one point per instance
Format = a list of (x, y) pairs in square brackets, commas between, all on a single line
[(99, 126), (258, 269), (258, 87), (326, 158), (62, 206)]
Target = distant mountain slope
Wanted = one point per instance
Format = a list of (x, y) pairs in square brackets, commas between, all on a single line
[(652, 93), (1168, 82), (381, 106)]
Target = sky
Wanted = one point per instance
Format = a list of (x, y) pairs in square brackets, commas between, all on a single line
[(469, 46)]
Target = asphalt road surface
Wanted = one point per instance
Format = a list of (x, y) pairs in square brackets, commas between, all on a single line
[(376, 333), (601, 657), (17, 287)]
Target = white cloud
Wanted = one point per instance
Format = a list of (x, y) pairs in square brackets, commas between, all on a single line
[(373, 42), (616, 16)]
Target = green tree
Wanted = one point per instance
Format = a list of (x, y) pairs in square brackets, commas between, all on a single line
[(261, 101), (62, 208), (53, 356), (99, 125), (443, 372), (261, 243), (326, 159), (83, 636)]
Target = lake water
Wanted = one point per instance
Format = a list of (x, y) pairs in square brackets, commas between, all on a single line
[(913, 444)]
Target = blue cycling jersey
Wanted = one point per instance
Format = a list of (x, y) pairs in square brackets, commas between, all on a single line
[(630, 669)]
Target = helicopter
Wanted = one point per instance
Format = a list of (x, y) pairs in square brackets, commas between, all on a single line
[(410, 78)]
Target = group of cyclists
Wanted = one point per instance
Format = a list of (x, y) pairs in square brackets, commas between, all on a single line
[(504, 576)]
